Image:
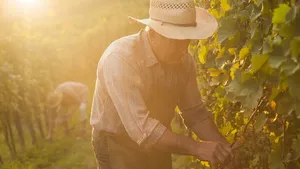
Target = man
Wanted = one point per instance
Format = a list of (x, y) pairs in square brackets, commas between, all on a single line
[(141, 78), (63, 102)]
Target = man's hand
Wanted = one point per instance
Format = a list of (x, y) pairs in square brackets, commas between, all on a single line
[(235, 162), (216, 153)]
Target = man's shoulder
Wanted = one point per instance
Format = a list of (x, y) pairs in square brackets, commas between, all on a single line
[(126, 49), (126, 45)]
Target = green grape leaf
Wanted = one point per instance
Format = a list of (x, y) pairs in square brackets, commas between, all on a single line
[(252, 100), (225, 58), (220, 90), (280, 13), (213, 72), (214, 81), (296, 147), (266, 47), (295, 47), (226, 128), (246, 76), (257, 44), (267, 23), (260, 121), (258, 61), (287, 30), (284, 104), (294, 83), (292, 13), (248, 93), (297, 23), (225, 6), (210, 60), (244, 14), (275, 92), (233, 70), (276, 57), (267, 10), (227, 28), (202, 53), (236, 41), (258, 2), (277, 40), (233, 87), (244, 52), (275, 160), (270, 72), (255, 13), (290, 67), (253, 29)]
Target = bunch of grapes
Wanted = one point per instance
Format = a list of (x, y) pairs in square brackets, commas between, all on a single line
[(253, 154)]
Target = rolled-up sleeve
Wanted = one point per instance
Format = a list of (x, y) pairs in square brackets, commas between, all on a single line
[(124, 86), (191, 105)]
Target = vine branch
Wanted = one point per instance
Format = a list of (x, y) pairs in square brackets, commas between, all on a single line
[(250, 120), (283, 145)]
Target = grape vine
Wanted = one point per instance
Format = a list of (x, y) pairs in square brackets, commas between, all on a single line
[(248, 75)]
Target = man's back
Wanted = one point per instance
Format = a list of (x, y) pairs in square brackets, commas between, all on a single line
[(75, 90), (71, 85)]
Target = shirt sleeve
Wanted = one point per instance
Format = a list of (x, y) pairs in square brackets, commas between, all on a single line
[(191, 105), (124, 84)]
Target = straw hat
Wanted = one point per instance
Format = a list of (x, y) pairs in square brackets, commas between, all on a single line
[(54, 99), (179, 19)]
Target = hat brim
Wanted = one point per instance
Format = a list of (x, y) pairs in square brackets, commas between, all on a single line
[(206, 25)]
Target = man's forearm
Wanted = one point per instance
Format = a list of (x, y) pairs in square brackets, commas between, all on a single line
[(175, 143), (207, 130), (213, 152)]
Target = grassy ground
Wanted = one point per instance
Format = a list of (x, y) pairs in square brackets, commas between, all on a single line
[(65, 152)]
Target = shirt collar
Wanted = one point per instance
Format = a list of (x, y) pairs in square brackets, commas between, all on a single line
[(150, 58)]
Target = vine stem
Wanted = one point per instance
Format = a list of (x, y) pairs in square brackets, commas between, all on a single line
[(283, 145), (250, 120)]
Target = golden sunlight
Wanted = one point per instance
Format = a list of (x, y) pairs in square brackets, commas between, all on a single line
[(24, 8), (27, 1)]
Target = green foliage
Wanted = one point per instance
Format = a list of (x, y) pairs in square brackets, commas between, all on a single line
[(42, 45), (280, 13), (61, 153), (258, 61), (257, 46), (227, 28), (276, 161)]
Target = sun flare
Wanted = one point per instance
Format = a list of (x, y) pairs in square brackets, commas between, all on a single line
[(27, 1)]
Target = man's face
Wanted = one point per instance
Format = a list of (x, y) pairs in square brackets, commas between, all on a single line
[(176, 48), (173, 48)]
